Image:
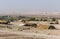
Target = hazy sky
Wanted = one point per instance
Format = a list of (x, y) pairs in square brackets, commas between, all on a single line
[(27, 6)]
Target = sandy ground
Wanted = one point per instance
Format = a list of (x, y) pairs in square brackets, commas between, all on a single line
[(33, 33), (4, 34)]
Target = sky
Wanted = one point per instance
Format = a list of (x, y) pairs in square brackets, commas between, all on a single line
[(29, 6)]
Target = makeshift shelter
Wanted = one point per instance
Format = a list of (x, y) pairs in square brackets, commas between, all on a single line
[(51, 27), (31, 25)]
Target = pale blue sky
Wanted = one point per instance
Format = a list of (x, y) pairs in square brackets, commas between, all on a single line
[(24, 6)]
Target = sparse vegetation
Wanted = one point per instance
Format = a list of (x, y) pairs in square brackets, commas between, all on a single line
[(29, 24)]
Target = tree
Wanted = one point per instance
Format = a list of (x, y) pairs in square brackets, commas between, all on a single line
[(56, 22), (53, 19), (37, 19), (45, 20), (41, 19), (32, 19)]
